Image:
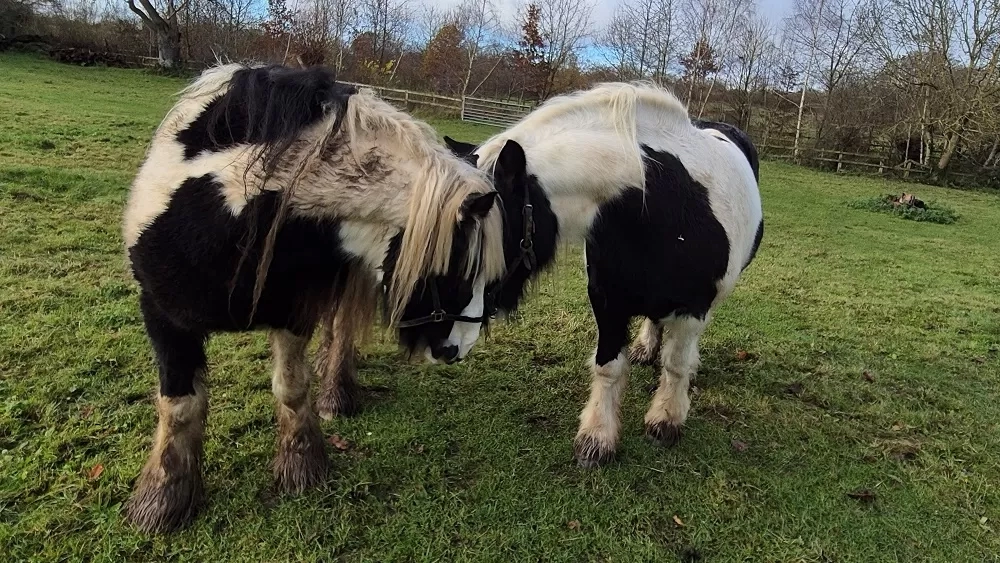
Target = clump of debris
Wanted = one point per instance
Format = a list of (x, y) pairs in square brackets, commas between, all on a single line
[(908, 206), (909, 200)]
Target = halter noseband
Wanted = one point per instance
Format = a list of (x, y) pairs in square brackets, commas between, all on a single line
[(526, 258)]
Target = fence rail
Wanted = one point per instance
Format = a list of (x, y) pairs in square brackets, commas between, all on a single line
[(844, 161), (498, 113)]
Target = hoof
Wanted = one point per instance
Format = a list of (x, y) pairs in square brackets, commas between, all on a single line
[(591, 453), (345, 400), (163, 502), (663, 434), (301, 462), (640, 354)]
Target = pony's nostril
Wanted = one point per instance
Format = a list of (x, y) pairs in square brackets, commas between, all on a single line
[(447, 353)]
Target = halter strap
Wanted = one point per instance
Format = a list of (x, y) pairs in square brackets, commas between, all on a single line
[(527, 259)]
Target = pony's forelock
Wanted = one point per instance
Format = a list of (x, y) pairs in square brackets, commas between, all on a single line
[(438, 189)]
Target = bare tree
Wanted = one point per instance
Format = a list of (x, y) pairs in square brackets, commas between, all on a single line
[(564, 25), (387, 22), (802, 31), (162, 20), (641, 38), (479, 21), (950, 51), (710, 26), (752, 56)]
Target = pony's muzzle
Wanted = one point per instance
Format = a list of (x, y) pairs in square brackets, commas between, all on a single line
[(445, 353)]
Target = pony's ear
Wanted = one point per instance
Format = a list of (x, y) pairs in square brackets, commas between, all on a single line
[(511, 166), (477, 206), (458, 147)]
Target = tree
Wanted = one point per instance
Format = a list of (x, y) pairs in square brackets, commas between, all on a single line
[(563, 24), (641, 38), (438, 64), (163, 22), (478, 20), (530, 54), (803, 29), (711, 24), (698, 65), (949, 50), (752, 57)]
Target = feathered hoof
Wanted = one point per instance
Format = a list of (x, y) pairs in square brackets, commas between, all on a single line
[(162, 502), (344, 401), (301, 462), (591, 453), (663, 434), (640, 354)]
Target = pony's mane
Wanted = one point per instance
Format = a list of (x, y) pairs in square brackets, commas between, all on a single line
[(440, 187), (609, 112), (291, 118)]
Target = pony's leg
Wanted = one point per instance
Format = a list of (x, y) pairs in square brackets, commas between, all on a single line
[(597, 438), (169, 490), (647, 343), (300, 461), (336, 365), (678, 364)]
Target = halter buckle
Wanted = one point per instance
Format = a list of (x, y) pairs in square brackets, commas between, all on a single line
[(437, 316)]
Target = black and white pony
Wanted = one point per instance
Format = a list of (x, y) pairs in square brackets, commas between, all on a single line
[(268, 198), (670, 213)]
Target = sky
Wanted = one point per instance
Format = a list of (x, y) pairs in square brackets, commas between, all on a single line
[(774, 10)]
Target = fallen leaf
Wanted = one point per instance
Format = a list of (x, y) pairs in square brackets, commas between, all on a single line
[(984, 520), (739, 446), (742, 355), (338, 442), (868, 376), (866, 496), (573, 524), (86, 411), (678, 521), (95, 472)]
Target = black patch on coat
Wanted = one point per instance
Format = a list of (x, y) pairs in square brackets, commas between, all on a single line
[(654, 254), (756, 243), (739, 138), (188, 263), (267, 107), (516, 188)]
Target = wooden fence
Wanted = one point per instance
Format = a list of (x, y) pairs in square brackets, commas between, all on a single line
[(845, 161), (497, 113)]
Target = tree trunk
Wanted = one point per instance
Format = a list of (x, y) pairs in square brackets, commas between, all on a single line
[(168, 43), (950, 148)]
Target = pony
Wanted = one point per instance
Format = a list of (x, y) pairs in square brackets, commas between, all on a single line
[(276, 198), (670, 215)]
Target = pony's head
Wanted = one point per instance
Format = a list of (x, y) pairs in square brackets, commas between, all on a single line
[(530, 227), (444, 313)]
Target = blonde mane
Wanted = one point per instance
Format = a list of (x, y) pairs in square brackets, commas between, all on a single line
[(439, 188), (598, 128)]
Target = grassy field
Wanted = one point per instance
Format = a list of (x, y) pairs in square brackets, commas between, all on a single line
[(863, 424)]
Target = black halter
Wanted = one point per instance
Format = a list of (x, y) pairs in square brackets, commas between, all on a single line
[(526, 258)]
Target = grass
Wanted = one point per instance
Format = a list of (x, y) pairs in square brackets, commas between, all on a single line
[(932, 212), (872, 366)]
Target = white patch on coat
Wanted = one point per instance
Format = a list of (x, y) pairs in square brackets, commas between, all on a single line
[(464, 335), (367, 241)]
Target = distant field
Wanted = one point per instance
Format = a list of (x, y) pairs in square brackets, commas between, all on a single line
[(473, 461)]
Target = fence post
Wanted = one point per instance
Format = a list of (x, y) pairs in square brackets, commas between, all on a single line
[(881, 166), (906, 171), (840, 160)]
